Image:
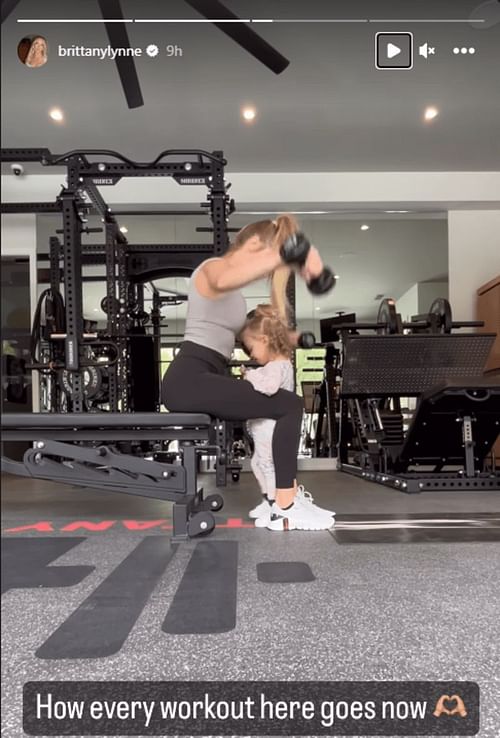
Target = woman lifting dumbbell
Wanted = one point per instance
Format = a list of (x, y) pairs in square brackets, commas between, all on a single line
[(197, 380)]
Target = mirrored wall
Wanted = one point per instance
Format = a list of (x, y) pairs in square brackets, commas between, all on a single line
[(403, 255)]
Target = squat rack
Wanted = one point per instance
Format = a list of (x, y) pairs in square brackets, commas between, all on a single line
[(126, 264)]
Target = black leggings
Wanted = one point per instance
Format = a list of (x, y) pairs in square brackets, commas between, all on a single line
[(197, 381)]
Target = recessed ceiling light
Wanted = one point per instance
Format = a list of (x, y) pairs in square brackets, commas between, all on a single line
[(317, 308), (124, 229), (397, 211), (249, 114), (96, 310), (56, 114), (431, 113), (365, 227), (337, 276)]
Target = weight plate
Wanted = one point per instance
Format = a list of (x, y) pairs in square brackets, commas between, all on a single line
[(91, 381), (139, 316), (387, 314), (110, 305), (440, 317)]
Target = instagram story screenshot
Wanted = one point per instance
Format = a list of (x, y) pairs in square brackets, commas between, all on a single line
[(250, 368)]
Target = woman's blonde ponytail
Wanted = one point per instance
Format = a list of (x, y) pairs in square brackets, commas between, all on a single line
[(272, 233), (285, 225)]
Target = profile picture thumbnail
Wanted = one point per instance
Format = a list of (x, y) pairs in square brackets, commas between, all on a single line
[(33, 51)]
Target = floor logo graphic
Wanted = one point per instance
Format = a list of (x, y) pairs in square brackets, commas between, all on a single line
[(101, 526)]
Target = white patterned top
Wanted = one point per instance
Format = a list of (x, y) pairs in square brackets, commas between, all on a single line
[(273, 376)]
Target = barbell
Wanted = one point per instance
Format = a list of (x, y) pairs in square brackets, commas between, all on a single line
[(437, 321)]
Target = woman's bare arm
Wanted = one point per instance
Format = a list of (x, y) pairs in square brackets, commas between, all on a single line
[(240, 267), (245, 265)]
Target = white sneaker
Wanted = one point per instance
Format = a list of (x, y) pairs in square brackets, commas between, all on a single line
[(301, 516), (306, 497), (262, 509), (264, 519)]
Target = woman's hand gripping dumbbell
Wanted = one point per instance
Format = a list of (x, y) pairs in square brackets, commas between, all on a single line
[(306, 340), (297, 251)]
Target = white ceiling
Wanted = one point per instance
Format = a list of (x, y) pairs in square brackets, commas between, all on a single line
[(330, 110)]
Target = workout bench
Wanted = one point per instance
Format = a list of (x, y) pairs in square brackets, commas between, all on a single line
[(62, 453)]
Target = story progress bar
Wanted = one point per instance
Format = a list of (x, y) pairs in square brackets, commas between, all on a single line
[(249, 20)]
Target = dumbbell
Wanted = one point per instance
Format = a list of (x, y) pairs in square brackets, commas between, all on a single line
[(306, 340), (294, 251), (323, 283)]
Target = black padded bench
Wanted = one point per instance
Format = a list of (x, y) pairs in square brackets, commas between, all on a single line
[(59, 456)]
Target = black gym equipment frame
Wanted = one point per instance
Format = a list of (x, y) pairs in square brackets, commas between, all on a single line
[(61, 454), (125, 263), (454, 426), (128, 267), (437, 321)]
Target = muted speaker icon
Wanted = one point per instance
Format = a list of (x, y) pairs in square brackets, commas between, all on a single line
[(425, 50)]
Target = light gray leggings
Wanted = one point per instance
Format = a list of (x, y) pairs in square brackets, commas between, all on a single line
[(262, 464)]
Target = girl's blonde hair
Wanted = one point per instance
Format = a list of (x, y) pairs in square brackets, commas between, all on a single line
[(266, 320), (272, 233)]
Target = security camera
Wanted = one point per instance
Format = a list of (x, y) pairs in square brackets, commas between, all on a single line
[(17, 169)]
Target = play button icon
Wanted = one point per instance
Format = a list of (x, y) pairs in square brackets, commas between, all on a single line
[(394, 50)]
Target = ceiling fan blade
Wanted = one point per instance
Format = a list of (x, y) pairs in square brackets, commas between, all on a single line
[(7, 8), (241, 33), (485, 15), (118, 38)]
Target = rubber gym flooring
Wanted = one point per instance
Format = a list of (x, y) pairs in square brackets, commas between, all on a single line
[(406, 587)]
